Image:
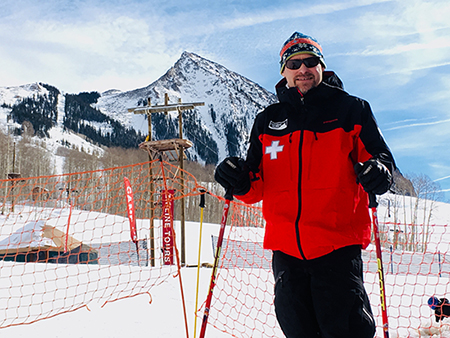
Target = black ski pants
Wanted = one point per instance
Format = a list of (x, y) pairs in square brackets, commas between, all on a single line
[(322, 297)]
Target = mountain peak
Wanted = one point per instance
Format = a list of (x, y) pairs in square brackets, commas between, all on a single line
[(190, 55), (218, 129), (193, 62)]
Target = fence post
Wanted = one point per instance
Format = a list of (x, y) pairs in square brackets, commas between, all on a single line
[(439, 257), (392, 261)]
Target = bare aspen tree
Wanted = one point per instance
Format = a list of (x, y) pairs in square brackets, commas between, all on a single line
[(116, 157), (5, 140), (428, 193), (32, 157)]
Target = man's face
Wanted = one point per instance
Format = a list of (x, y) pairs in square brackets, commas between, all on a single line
[(303, 78)]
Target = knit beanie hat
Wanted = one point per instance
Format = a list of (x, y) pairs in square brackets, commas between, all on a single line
[(300, 43)]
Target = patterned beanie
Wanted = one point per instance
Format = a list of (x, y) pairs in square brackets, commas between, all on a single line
[(300, 43)]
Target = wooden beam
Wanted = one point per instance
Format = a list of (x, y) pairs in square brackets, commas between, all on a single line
[(165, 108)]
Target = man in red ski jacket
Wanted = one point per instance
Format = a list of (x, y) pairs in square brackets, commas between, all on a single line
[(300, 163)]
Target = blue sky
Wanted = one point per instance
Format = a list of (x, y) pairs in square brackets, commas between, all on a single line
[(395, 54)]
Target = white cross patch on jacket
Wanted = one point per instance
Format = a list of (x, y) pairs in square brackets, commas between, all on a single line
[(274, 149)]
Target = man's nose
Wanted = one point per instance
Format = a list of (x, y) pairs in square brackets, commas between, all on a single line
[(303, 67)]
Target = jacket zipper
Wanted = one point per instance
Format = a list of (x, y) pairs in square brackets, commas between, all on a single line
[(300, 164)]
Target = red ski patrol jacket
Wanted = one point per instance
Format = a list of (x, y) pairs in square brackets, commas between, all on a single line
[(302, 153)]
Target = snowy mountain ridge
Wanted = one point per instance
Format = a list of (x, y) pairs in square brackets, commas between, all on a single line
[(218, 129)]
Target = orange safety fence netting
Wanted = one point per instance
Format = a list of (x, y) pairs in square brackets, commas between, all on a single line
[(75, 230)]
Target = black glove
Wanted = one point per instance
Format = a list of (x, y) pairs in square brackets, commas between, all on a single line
[(233, 173), (374, 176)]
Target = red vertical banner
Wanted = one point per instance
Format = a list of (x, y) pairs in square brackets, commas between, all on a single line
[(130, 209), (167, 227)]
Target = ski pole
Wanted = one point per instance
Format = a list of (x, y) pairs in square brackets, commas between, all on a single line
[(373, 204), (226, 207), (202, 206)]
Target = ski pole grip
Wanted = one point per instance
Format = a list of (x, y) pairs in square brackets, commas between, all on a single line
[(202, 198), (229, 194), (372, 200), (372, 197)]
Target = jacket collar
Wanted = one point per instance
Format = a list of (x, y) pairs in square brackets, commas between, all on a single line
[(327, 87)]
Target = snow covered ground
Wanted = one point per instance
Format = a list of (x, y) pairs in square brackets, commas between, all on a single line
[(158, 314)]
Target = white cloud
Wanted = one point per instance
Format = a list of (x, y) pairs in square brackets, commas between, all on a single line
[(101, 51), (409, 35), (419, 124), (293, 11), (442, 178)]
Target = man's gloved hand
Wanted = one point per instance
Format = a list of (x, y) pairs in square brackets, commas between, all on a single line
[(374, 176), (233, 173)]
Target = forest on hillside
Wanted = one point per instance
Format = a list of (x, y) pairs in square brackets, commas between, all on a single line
[(41, 112)]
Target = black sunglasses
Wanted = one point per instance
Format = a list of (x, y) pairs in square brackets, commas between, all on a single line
[(297, 63)]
